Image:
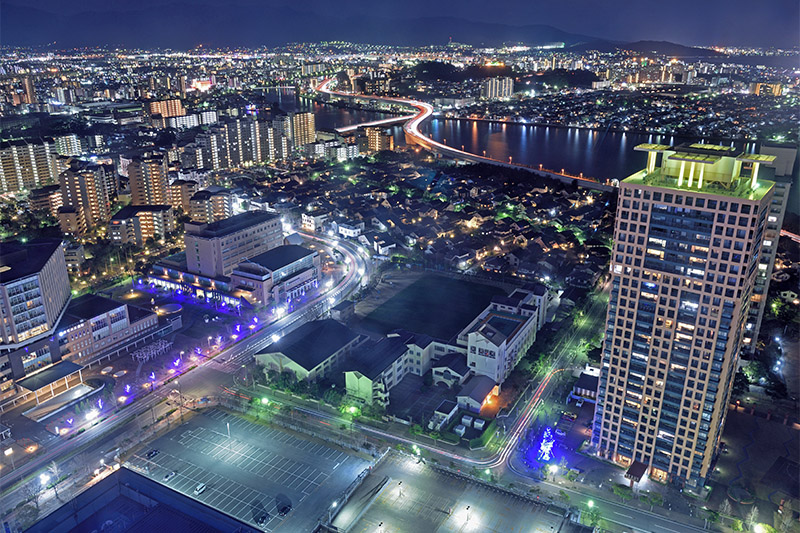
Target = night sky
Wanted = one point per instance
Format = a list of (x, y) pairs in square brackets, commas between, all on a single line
[(690, 22)]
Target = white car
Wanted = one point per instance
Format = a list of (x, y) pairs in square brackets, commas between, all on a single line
[(107, 370), (579, 403), (561, 433), (199, 489), (120, 373)]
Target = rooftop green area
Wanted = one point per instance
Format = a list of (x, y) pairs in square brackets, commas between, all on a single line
[(434, 305), (742, 191)]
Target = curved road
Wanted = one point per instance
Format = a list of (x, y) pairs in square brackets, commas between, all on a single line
[(234, 356), (424, 112)]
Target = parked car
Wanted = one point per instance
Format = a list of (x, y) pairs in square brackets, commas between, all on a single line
[(152, 453), (560, 432), (199, 489), (169, 476), (579, 403)]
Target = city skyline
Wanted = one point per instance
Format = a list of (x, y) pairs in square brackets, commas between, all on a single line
[(415, 267)]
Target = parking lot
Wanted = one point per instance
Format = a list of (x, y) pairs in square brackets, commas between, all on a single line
[(419, 498), (260, 475)]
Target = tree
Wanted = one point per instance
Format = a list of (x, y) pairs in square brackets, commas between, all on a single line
[(725, 507), (623, 491), (416, 429), (55, 471), (737, 524), (656, 499), (741, 385), (563, 496), (32, 493), (752, 517), (593, 517)]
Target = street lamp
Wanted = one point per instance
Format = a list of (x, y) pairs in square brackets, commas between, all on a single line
[(44, 479), (10, 453), (590, 503)]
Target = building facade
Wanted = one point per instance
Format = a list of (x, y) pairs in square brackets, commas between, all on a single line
[(26, 165), (783, 167), (215, 249), (34, 292), (88, 190), (687, 241), (280, 275), (148, 179), (134, 224), (497, 88)]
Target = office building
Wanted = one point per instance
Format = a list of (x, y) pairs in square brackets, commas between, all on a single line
[(211, 205), (86, 194), (783, 166), (278, 276), (34, 292), (166, 108), (687, 241), (134, 224), (497, 88), (303, 129), (148, 179), (215, 249), (26, 164)]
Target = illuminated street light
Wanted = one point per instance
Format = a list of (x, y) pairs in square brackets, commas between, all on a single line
[(590, 503), (275, 337), (44, 479), (91, 415)]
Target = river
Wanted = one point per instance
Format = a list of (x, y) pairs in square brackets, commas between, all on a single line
[(595, 153)]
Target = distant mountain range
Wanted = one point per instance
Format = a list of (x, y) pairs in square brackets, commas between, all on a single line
[(184, 25)]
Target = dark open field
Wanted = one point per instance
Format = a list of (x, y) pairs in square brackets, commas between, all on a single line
[(435, 305)]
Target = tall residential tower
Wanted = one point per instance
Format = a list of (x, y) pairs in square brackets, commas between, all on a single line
[(686, 251)]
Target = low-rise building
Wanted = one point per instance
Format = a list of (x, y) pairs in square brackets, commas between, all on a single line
[(376, 367), (311, 351), (443, 415), (477, 392), (498, 338), (314, 220), (343, 311), (93, 324), (450, 370), (280, 275), (74, 256)]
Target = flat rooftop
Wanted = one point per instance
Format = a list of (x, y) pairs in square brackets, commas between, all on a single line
[(18, 259), (280, 257), (743, 191), (230, 225), (49, 375)]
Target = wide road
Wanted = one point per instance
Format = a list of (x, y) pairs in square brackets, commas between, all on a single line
[(204, 378)]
